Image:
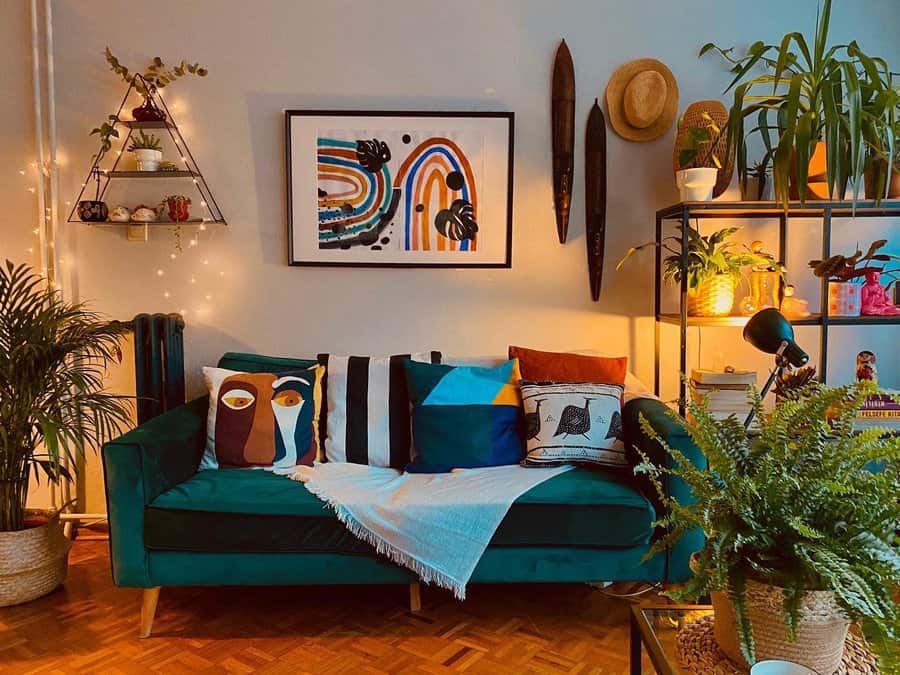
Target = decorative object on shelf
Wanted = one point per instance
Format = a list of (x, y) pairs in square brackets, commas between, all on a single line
[(844, 296), (167, 165), (792, 306), (747, 566), (866, 366), (563, 129), (790, 380), (155, 76), (595, 196), (143, 214), (642, 100), (176, 208), (54, 358), (875, 176), (771, 333), (726, 393), (755, 184), (874, 298), (120, 214), (147, 150), (808, 110), (713, 268), (765, 282), (399, 189), (93, 210), (701, 143)]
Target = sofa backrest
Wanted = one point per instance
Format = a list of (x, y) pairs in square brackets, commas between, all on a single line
[(258, 363)]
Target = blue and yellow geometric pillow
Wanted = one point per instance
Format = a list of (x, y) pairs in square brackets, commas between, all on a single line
[(464, 417)]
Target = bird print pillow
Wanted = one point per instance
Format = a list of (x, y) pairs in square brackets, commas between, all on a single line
[(572, 423), (262, 420)]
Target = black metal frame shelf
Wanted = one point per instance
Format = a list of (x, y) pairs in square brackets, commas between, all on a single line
[(192, 170), (684, 212), (129, 223)]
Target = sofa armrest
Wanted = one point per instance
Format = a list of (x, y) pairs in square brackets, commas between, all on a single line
[(659, 417), (140, 465)]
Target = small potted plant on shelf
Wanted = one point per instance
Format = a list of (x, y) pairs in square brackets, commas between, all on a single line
[(713, 268), (155, 76), (698, 163), (841, 273), (800, 532), (809, 108), (53, 356), (755, 184), (881, 128), (147, 150), (176, 208)]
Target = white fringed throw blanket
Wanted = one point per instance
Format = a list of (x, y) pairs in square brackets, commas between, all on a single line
[(437, 525)]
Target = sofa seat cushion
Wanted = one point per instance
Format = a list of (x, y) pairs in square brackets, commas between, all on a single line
[(257, 511)]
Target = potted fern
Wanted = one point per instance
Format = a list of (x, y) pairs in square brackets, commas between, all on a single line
[(801, 532), (713, 268), (53, 356)]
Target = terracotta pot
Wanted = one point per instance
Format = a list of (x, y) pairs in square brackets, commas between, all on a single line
[(820, 635), (713, 297), (33, 561), (874, 178), (816, 179)]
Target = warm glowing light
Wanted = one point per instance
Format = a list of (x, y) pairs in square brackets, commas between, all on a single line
[(222, 274), (31, 190), (182, 311), (193, 280), (159, 273), (183, 158), (172, 256), (202, 227), (202, 203), (206, 262), (22, 172), (192, 242), (166, 294), (209, 297), (36, 230), (29, 250)]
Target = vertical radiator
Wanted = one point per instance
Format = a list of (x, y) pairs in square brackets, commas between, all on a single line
[(158, 363)]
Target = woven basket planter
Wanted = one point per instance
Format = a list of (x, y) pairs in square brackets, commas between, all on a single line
[(33, 561), (820, 635), (714, 296)]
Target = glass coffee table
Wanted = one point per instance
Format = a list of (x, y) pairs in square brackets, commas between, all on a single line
[(654, 627)]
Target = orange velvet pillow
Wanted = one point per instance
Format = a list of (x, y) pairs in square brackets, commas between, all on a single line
[(538, 366)]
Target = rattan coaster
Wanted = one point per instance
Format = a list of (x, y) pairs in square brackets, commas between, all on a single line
[(699, 653)]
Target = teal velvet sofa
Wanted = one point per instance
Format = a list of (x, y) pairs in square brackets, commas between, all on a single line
[(172, 525)]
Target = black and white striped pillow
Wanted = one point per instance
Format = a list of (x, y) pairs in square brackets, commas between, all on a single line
[(367, 408)]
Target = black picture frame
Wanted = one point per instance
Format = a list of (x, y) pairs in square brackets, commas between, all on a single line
[(509, 116)]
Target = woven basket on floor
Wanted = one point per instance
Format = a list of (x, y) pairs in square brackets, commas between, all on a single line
[(820, 636), (714, 296), (33, 561)]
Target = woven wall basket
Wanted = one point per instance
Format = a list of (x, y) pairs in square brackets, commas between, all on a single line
[(33, 561), (820, 636), (714, 296)]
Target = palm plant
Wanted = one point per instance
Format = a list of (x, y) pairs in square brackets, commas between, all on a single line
[(810, 94), (796, 507), (53, 357)]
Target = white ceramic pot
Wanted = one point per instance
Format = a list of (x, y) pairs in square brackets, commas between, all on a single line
[(843, 298), (696, 185), (147, 160)]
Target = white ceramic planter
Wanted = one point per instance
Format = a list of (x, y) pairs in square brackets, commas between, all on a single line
[(147, 160), (843, 298), (696, 185)]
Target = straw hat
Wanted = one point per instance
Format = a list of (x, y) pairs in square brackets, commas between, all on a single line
[(642, 100)]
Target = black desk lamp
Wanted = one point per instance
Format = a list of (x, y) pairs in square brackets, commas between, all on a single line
[(770, 332)]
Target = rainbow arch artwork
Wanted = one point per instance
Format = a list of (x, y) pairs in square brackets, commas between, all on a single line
[(439, 202), (356, 198)]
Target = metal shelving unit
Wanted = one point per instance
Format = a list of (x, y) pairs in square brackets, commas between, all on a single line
[(684, 212), (191, 171)]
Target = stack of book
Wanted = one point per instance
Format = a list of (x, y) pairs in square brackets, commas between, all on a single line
[(726, 393), (880, 410)]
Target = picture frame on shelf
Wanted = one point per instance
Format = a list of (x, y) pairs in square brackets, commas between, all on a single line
[(415, 189)]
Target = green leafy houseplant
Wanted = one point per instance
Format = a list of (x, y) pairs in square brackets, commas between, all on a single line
[(144, 142), (106, 131), (698, 148), (810, 93), (156, 75), (796, 507), (53, 357)]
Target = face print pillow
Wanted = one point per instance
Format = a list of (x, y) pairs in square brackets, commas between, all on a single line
[(262, 420)]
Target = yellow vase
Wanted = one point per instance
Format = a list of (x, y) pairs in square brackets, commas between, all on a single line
[(714, 296)]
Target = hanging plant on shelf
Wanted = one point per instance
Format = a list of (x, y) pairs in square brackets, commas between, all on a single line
[(106, 131)]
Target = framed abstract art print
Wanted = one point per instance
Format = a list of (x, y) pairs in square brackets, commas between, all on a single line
[(399, 189)]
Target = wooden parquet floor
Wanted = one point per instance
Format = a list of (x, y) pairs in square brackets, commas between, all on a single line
[(90, 626)]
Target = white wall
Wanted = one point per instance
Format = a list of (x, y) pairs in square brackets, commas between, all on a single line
[(269, 55)]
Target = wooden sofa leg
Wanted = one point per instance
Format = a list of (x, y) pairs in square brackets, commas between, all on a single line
[(148, 610), (415, 597)]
